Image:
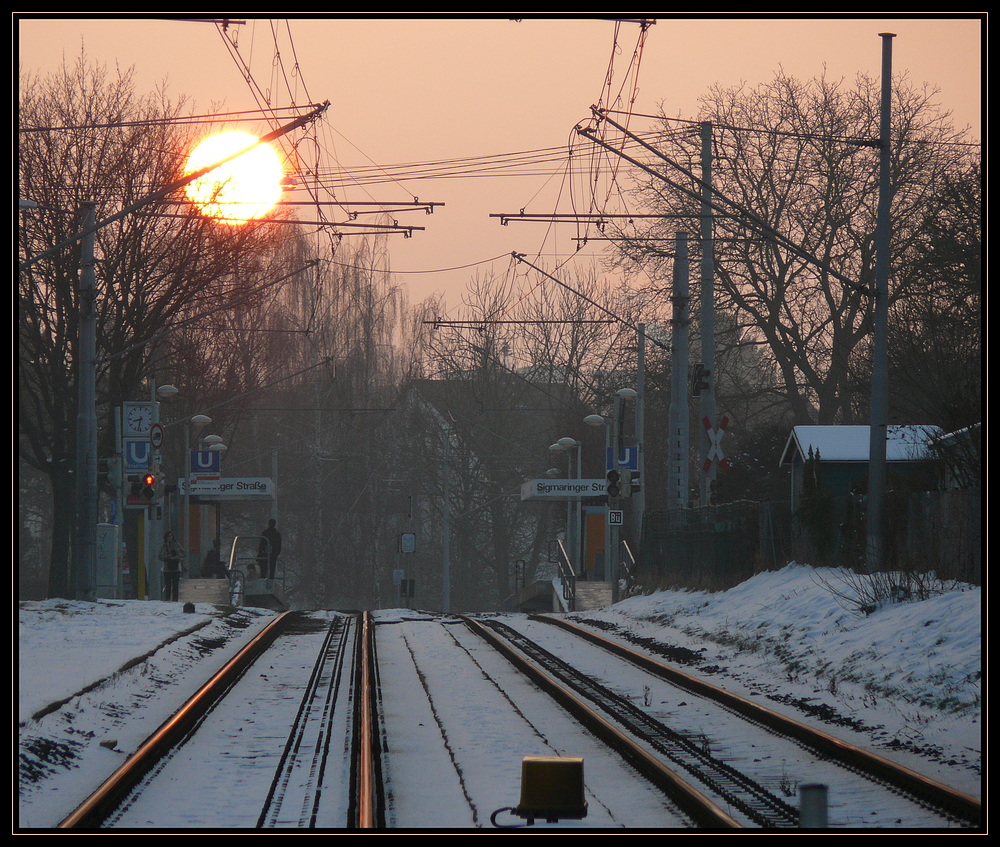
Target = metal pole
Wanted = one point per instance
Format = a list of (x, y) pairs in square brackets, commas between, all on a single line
[(446, 540), (614, 532), (154, 511), (578, 512), (707, 404), (679, 440), (880, 319), (86, 417), (812, 806), (186, 465), (639, 498), (611, 463)]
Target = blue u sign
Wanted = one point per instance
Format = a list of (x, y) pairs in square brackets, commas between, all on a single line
[(137, 452), (205, 462), (628, 458)]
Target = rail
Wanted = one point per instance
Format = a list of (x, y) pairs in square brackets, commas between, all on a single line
[(967, 809), (690, 801), (366, 779), (91, 813), (628, 567), (567, 577)]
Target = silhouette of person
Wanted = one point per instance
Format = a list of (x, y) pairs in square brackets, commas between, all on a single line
[(270, 547)]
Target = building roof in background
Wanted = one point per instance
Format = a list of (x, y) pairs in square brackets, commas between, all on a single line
[(851, 443)]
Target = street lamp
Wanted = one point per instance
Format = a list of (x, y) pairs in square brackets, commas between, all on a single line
[(573, 519), (598, 420), (196, 422), (612, 434)]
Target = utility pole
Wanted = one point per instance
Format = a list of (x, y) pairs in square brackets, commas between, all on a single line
[(639, 498), (677, 459), (446, 532), (85, 555), (707, 398), (880, 319)]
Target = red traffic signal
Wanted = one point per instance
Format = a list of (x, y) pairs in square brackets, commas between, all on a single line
[(148, 481)]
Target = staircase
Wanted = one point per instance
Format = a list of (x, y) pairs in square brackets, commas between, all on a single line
[(204, 591), (592, 595)]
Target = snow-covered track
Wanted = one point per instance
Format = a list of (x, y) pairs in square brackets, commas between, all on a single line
[(951, 805), (93, 812), (270, 737), (457, 720), (574, 692)]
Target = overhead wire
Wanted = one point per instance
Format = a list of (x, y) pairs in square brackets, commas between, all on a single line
[(592, 171)]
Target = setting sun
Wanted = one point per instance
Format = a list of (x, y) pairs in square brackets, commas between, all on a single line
[(242, 189)]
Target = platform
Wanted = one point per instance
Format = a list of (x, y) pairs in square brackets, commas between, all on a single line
[(204, 591), (265, 594), (593, 595), (540, 597)]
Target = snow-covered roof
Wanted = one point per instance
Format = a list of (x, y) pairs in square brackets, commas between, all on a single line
[(851, 443)]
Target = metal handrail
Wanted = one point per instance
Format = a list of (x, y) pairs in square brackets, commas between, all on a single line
[(628, 567), (567, 576), (254, 558)]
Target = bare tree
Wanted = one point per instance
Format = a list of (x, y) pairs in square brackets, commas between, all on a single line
[(85, 135), (795, 164), (518, 367), (342, 341)]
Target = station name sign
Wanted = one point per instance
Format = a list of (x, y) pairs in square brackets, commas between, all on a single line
[(235, 487), (562, 489)]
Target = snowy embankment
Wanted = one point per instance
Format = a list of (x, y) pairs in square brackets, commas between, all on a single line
[(904, 680)]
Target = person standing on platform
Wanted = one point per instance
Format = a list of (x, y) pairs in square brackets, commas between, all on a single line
[(212, 566), (171, 554), (270, 547)]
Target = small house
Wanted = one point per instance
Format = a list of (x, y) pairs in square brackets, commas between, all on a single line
[(841, 454)]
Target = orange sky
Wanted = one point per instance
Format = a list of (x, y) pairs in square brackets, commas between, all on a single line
[(407, 91)]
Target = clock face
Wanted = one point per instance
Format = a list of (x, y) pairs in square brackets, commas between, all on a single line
[(138, 419)]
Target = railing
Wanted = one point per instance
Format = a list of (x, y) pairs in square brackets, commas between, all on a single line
[(628, 568), (246, 564), (567, 577)]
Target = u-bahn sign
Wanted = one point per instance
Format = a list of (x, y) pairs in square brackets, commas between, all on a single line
[(628, 458), (137, 454), (206, 464), (562, 489)]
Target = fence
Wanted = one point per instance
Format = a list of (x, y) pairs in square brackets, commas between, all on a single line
[(717, 547)]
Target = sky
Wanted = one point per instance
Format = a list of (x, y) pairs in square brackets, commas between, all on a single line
[(908, 676), (423, 89)]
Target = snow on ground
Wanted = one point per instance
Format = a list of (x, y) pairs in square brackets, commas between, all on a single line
[(904, 681)]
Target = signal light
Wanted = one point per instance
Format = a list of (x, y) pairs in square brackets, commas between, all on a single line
[(614, 483), (148, 482), (700, 381)]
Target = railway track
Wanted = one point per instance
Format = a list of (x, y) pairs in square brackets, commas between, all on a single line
[(954, 808), (266, 735), (675, 753), (299, 729)]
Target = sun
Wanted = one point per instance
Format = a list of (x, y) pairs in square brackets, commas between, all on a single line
[(242, 189)]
